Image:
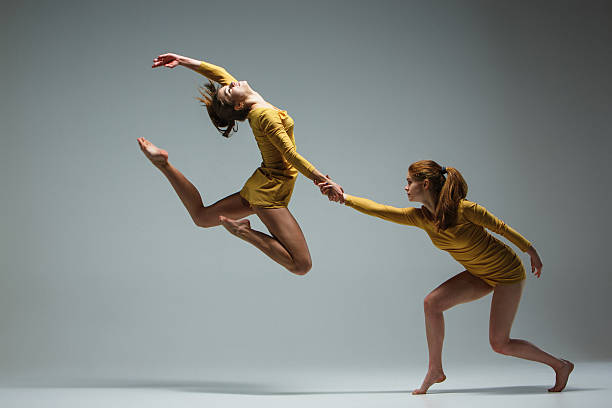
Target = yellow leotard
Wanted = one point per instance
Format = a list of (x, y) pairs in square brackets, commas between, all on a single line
[(271, 185), (467, 241)]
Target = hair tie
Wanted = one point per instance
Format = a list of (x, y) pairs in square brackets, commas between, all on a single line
[(443, 170)]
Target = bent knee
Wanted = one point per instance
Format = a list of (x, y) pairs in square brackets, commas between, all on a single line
[(301, 268), (432, 304), (204, 223), (500, 345)]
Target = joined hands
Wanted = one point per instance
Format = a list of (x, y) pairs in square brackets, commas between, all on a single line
[(331, 189)]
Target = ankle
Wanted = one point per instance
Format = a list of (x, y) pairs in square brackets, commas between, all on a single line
[(559, 364), (163, 166), (435, 369)]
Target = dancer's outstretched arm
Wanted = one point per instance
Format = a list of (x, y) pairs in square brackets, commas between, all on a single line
[(210, 71), (404, 216)]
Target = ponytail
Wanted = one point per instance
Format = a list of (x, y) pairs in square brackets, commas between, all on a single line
[(449, 190), (453, 191)]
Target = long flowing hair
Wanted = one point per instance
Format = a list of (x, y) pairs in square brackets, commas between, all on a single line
[(448, 186), (223, 116)]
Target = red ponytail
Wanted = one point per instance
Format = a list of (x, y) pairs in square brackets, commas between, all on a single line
[(448, 191)]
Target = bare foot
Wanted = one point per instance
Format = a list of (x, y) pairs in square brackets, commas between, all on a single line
[(158, 157), (431, 378), (562, 376), (238, 228)]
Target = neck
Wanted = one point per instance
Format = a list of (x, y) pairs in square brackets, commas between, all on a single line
[(430, 204), (254, 100)]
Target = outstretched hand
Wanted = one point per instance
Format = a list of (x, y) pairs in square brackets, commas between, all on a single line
[(166, 60), (332, 190)]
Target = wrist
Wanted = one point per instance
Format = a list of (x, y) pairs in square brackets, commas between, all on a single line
[(187, 62), (324, 179)]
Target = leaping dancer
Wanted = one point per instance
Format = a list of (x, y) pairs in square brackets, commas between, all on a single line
[(268, 191)]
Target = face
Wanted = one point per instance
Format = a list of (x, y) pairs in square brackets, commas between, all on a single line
[(415, 189), (234, 94)]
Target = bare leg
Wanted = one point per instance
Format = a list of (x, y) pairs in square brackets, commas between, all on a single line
[(504, 305), (286, 244), (233, 206), (461, 288)]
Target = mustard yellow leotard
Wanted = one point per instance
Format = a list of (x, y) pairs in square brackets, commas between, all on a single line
[(271, 185), (467, 241)]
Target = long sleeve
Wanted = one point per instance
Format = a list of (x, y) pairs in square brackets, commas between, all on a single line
[(275, 132), (215, 73), (405, 216), (479, 215)]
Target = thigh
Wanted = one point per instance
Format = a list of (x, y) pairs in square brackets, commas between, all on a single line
[(461, 288), (504, 304), (232, 206), (284, 227)]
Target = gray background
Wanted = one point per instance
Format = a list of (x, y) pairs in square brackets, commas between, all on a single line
[(103, 275)]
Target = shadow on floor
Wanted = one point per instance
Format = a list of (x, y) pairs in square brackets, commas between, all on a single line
[(242, 388), (510, 390), (219, 387)]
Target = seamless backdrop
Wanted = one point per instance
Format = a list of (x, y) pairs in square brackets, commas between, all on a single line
[(103, 275)]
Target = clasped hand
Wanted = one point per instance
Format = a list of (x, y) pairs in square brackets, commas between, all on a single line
[(332, 190)]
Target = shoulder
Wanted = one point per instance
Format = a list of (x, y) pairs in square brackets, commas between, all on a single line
[(264, 116), (414, 213), (466, 205), (257, 114), (467, 208)]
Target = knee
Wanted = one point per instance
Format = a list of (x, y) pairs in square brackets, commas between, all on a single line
[(301, 268), (204, 221), (499, 345), (431, 304)]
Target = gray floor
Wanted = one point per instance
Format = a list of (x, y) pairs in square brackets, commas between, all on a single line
[(518, 385)]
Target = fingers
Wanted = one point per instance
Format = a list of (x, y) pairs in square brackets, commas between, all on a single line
[(166, 60), (536, 268), (333, 195), (333, 191)]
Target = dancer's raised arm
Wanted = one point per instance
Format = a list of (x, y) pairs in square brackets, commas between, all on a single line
[(210, 71), (268, 191)]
